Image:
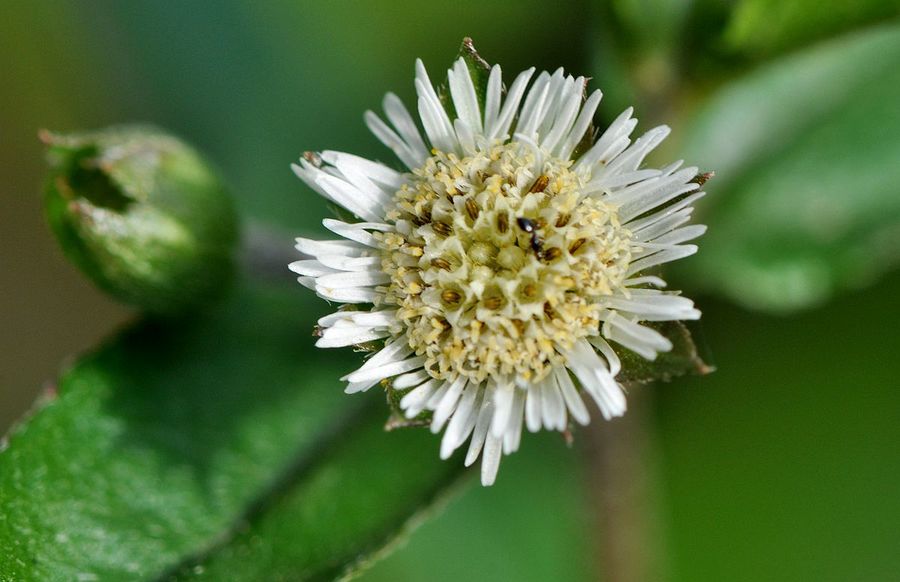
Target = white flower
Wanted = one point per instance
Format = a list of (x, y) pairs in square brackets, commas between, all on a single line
[(503, 268)]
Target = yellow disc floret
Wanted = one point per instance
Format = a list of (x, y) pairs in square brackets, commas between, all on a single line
[(498, 264)]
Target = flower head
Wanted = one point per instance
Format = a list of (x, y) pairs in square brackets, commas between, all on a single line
[(503, 268)]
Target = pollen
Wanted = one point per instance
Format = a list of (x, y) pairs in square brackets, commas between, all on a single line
[(507, 254)]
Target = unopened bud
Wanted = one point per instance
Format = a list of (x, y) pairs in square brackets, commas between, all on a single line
[(142, 214)]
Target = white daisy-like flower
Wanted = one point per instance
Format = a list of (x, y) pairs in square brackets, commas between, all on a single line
[(500, 271)]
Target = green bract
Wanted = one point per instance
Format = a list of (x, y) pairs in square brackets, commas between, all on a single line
[(142, 214)]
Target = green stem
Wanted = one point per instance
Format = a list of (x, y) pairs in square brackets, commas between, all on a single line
[(623, 490), (266, 252)]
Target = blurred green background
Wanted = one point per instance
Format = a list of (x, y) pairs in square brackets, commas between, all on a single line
[(783, 465)]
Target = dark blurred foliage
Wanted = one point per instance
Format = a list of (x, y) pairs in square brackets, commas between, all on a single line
[(781, 466)]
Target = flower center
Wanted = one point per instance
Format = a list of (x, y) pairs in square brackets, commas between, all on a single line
[(497, 265)]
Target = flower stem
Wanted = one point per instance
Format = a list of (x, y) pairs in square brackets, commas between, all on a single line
[(623, 489), (266, 252)]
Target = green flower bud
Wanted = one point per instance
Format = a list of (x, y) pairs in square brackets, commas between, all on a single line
[(142, 215)]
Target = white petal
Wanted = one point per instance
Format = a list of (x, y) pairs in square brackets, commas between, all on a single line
[(347, 279), (315, 248), (604, 182), (462, 90), (651, 200), (393, 352), (465, 136), (438, 395), (664, 256), (357, 176), (356, 231), (581, 125), (335, 337), (513, 434), (409, 380), (553, 410), (631, 159), (411, 158), (656, 306), (490, 461), (615, 364), (536, 151), (363, 204), (463, 421), (570, 394), (653, 191), (503, 404), (679, 206), (681, 235), (482, 425), (354, 387), (533, 407), (308, 282), (399, 115), (560, 86), (533, 108), (434, 117), (310, 268), (596, 380), (347, 294), (492, 98), (570, 101), (646, 280), (447, 404), (641, 340), (387, 370), (661, 227), (380, 318), (614, 140), (375, 171), (339, 263), (510, 105), (414, 402)]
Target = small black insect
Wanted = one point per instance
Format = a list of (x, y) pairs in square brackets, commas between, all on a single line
[(528, 226)]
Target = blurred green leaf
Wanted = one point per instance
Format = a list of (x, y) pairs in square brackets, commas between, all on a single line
[(769, 26), (805, 200), (162, 445)]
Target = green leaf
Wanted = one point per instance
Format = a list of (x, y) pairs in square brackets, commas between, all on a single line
[(158, 447), (769, 26), (682, 359), (804, 203), (338, 517), (479, 70)]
